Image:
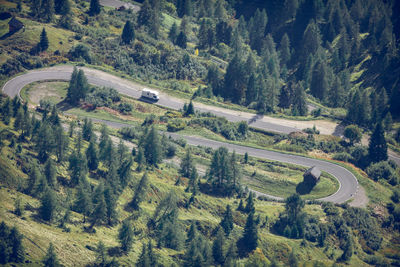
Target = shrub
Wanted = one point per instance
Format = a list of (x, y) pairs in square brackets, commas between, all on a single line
[(129, 132), (330, 146), (125, 108), (342, 156), (176, 125), (380, 170), (80, 52)]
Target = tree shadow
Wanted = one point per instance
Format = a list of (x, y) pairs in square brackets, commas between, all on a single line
[(115, 252), (304, 188), (255, 118)]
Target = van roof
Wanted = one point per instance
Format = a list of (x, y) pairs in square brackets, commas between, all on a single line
[(150, 91)]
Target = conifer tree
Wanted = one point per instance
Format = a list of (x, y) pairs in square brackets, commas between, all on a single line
[(187, 164), (377, 149), (299, 106), (319, 83), (83, 202), (181, 40), (152, 147), (50, 259), (49, 205), (192, 233), (44, 41), (140, 192), (249, 240), (218, 247), (95, 7), (18, 209), (110, 199), (50, 173), (47, 11), (227, 222), (101, 254), (87, 130), (231, 255), (99, 213), (128, 33), (284, 50), (140, 159), (250, 203), (173, 33), (143, 260), (17, 253), (125, 236), (61, 143), (92, 156)]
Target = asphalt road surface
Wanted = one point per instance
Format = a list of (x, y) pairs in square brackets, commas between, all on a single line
[(348, 183)]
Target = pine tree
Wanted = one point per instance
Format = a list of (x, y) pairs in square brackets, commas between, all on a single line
[(187, 164), (181, 40), (50, 173), (377, 149), (95, 7), (18, 209), (235, 82), (99, 213), (128, 33), (293, 262), (218, 247), (250, 203), (92, 156), (231, 256), (299, 106), (87, 130), (227, 222), (49, 205), (140, 192), (125, 236), (152, 147), (284, 50), (140, 159), (173, 33), (50, 259), (143, 260), (44, 41), (348, 250), (101, 254), (17, 253), (61, 143), (336, 94), (249, 240), (62, 7), (319, 83), (192, 233), (47, 11), (110, 199), (83, 202)]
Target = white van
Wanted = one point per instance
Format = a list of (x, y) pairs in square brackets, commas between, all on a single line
[(150, 94)]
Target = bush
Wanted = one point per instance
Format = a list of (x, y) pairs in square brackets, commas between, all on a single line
[(330, 146), (102, 97), (170, 150), (129, 132), (176, 125), (80, 52), (360, 156), (125, 108), (380, 170), (342, 156)]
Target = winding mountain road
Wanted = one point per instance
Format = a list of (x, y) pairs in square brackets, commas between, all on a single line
[(348, 182)]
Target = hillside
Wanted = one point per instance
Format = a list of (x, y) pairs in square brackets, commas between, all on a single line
[(93, 176)]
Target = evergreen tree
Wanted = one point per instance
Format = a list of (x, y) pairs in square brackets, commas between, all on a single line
[(173, 33), (140, 159), (348, 250), (218, 247), (78, 87), (44, 41), (293, 262), (49, 205), (249, 240), (377, 149), (257, 25), (92, 156), (192, 233), (181, 40), (193, 184), (227, 222), (189, 110), (61, 143), (140, 192), (319, 83), (235, 82), (187, 164), (18, 209), (50, 173), (47, 11), (110, 198), (95, 7), (101, 254), (125, 236), (62, 7), (83, 202), (299, 106), (250, 203), (99, 213), (231, 256), (50, 259), (87, 129), (336, 94), (143, 260), (284, 50), (17, 253), (128, 33), (152, 147)]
